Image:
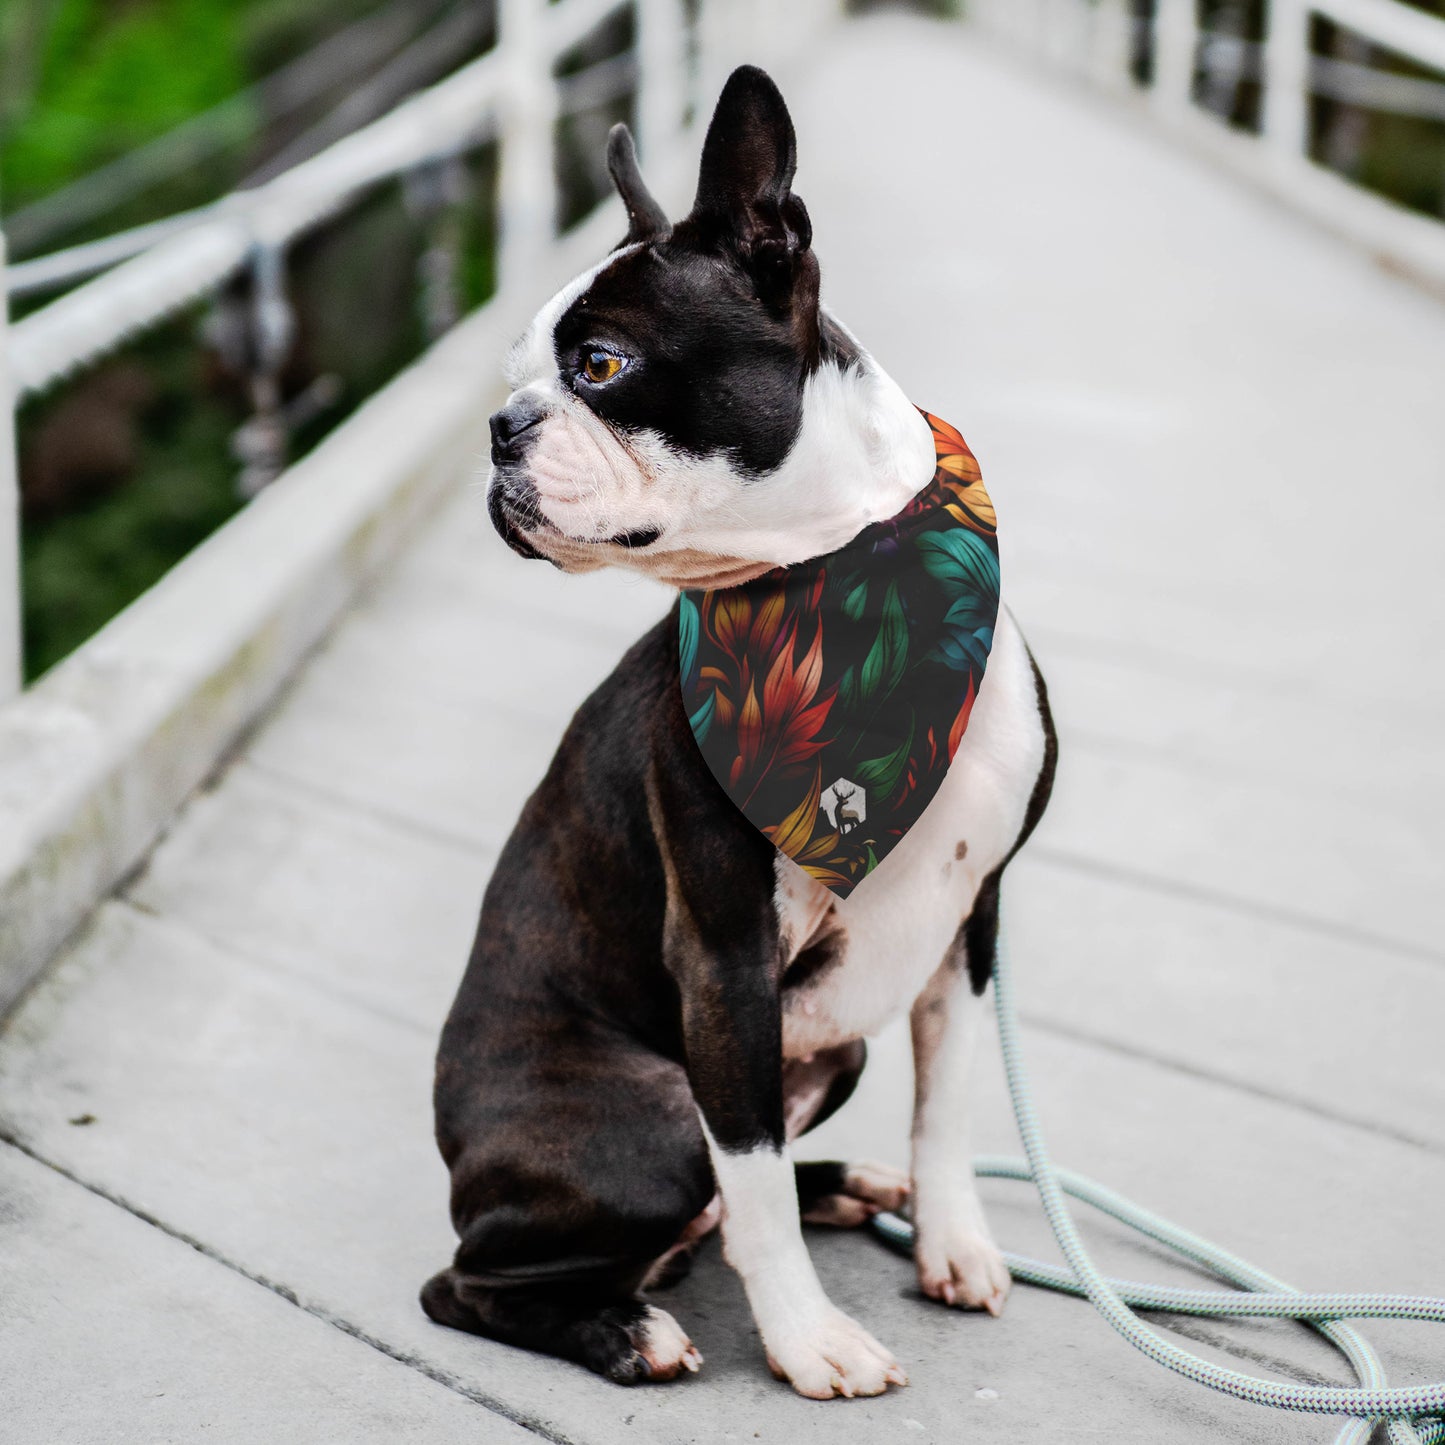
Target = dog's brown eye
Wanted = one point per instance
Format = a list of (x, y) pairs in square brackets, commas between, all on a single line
[(601, 366)]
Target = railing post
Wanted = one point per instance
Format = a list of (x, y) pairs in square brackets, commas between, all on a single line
[(1110, 43), (1064, 38), (661, 75), (1286, 80), (718, 26), (9, 512), (261, 443), (1176, 39), (526, 190), (1033, 22), (434, 193), (809, 20)]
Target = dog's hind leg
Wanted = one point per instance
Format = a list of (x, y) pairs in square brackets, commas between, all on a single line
[(847, 1195), (829, 1191), (675, 1266), (608, 1329), (566, 1190)]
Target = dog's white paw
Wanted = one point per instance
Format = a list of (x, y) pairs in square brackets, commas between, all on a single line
[(664, 1345), (867, 1188), (961, 1266), (833, 1355)]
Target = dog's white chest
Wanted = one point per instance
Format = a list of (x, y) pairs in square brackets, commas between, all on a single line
[(857, 963)]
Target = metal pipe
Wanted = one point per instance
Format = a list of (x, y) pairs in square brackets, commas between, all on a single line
[(526, 190), (336, 61), (1405, 29), (661, 75), (1286, 89), (58, 269), (1176, 41), (10, 673)]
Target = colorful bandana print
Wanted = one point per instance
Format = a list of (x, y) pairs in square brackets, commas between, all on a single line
[(828, 698)]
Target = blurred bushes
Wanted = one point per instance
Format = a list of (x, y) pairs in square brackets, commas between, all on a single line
[(133, 470), (91, 79), (128, 466), (85, 81)]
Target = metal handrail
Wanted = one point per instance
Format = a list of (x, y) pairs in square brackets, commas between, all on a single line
[(333, 62), (1410, 32), (455, 114), (9, 519), (599, 83), (1096, 38), (510, 94), (1328, 78)]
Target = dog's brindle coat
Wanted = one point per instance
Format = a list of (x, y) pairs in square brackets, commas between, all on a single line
[(657, 1001)]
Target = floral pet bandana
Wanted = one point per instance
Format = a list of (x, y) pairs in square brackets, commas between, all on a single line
[(828, 698)]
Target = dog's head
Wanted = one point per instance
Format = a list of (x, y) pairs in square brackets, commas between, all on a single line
[(686, 408)]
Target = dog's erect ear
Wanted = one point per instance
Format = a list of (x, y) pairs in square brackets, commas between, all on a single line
[(744, 185), (645, 218)]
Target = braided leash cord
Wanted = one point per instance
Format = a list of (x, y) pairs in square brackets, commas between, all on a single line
[(1405, 1411)]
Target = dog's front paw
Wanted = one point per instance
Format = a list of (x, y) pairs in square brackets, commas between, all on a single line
[(962, 1266), (833, 1355), (652, 1347)]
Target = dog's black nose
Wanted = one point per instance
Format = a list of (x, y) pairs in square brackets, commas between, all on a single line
[(510, 429)]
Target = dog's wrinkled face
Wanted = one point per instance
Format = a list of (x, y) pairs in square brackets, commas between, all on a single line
[(682, 408)]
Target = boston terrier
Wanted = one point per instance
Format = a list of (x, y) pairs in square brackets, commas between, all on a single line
[(659, 1000)]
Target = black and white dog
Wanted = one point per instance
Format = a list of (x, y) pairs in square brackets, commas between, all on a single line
[(658, 1001)]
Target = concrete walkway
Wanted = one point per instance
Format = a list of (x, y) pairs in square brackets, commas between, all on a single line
[(1215, 439)]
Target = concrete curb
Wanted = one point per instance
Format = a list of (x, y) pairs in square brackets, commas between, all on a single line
[(98, 756)]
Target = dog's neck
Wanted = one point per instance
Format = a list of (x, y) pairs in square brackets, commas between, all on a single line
[(862, 453)]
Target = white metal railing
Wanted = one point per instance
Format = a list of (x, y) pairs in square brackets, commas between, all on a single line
[(1097, 39), (510, 95), (343, 60), (9, 517), (506, 92)]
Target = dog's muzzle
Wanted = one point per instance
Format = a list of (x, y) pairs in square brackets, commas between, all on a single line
[(514, 429), (511, 497)]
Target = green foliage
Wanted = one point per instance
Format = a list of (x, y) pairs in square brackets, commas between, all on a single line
[(103, 78), (82, 566), (88, 80), (84, 81)]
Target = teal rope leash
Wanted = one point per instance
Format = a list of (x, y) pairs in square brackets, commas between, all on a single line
[(1405, 1410)]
